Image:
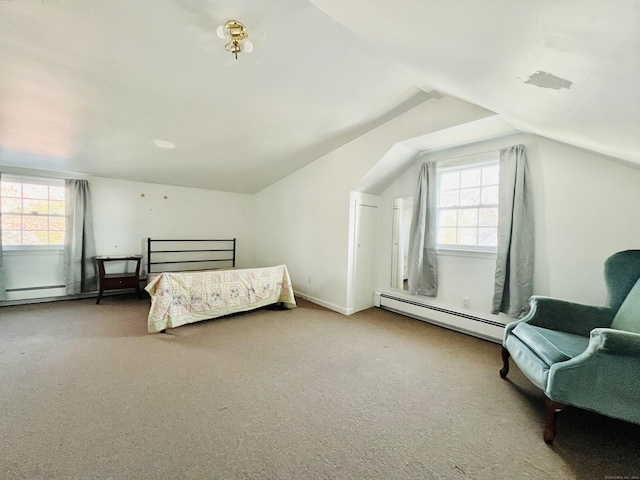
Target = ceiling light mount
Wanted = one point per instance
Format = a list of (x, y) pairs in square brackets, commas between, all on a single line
[(236, 33)]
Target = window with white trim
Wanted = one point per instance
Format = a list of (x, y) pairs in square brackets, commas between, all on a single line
[(467, 203), (33, 212)]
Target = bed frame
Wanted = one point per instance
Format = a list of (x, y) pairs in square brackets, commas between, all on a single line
[(187, 255), (194, 280)]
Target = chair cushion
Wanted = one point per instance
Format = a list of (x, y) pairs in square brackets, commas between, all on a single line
[(628, 317), (551, 346)]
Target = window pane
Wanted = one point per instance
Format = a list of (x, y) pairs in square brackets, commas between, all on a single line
[(449, 198), (11, 189), (11, 222), (470, 196), (35, 191), (13, 205), (448, 218), (11, 237), (488, 237), (461, 193), (488, 217), (34, 222), (450, 181), (468, 217), (470, 178), (56, 223), (56, 208), (490, 195), (35, 238), (33, 206), (447, 236), (56, 238), (490, 175), (56, 193), (467, 236), (38, 201)]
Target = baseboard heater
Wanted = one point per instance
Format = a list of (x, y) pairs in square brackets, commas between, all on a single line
[(58, 298), (471, 324), (27, 289)]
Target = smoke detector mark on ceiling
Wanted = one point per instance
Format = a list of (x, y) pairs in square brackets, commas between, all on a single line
[(548, 80)]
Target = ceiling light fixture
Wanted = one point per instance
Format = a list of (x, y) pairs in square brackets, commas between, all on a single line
[(164, 144), (236, 32)]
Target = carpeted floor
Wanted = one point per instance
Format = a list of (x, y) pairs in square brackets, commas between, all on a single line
[(86, 393)]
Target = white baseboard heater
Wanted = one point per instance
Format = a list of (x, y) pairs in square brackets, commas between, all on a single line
[(27, 289), (444, 317)]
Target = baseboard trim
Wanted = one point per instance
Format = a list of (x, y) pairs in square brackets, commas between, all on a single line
[(322, 303)]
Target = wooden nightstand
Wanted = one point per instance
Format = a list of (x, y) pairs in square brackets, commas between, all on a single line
[(115, 281)]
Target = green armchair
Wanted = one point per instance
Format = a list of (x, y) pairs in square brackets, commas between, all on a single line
[(581, 355)]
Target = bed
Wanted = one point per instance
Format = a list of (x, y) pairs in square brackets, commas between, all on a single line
[(194, 280)]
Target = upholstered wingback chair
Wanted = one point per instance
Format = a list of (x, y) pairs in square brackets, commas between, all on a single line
[(581, 355)]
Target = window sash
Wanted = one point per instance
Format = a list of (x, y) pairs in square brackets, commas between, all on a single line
[(22, 199), (460, 165)]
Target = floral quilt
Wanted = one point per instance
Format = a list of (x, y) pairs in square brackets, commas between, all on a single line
[(178, 298)]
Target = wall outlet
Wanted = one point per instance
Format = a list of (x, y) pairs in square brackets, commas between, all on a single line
[(309, 279), (466, 302)]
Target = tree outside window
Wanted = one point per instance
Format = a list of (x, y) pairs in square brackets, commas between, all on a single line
[(33, 212), (467, 206)]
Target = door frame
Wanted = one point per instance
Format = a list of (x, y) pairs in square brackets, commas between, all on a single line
[(356, 199)]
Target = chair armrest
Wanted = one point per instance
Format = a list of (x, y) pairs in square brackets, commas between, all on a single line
[(567, 316), (603, 378), (615, 342)]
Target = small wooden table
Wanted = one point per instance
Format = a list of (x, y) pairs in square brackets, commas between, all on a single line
[(113, 281)]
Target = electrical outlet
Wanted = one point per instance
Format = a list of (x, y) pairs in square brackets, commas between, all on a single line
[(309, 279), (466, 302)]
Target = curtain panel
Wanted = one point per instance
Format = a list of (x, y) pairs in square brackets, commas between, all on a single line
[(422, 261), (80, 249), (514, 261)]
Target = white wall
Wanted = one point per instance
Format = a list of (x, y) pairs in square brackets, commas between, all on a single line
[(588, 210), (124, 218), (303, 220), (34, 269), (585, 210)]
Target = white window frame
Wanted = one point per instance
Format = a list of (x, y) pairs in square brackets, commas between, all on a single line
[(473, 161), (57, 182)]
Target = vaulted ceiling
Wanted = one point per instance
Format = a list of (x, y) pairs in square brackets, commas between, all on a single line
[(100, 86)]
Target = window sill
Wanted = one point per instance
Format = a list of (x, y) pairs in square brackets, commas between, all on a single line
[(27, 252), (454, 252)]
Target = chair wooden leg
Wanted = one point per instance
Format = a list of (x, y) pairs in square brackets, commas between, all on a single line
[(505, 363), (553, 408)]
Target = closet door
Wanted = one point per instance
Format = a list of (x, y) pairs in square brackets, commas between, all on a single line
[(365, 265)]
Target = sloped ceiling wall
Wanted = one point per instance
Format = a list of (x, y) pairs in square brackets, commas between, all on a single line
[(565, 70), (98, 87)]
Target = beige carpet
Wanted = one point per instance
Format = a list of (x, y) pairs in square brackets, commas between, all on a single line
[(86, 393)]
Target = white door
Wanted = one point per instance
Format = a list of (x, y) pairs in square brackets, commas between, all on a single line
[(396, 248), (365, 246)]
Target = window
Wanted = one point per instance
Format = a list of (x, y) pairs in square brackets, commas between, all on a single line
[(467, 204), (33, 212)]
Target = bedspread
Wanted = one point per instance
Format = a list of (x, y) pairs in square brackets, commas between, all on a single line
[(178, 298)]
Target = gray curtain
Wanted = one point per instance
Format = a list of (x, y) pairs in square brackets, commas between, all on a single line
[(514, 264), (80, 248), (3, 291), (423, 273)]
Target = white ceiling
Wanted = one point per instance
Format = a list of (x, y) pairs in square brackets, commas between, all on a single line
[(88, 86)]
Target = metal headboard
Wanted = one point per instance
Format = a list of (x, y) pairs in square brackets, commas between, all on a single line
[(179, 255)]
